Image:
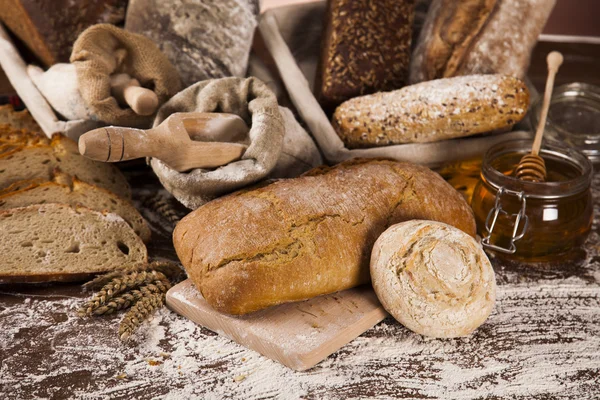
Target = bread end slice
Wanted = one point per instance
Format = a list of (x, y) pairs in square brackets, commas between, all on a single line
[(57, 242)]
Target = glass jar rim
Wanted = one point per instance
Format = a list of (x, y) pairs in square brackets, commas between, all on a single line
[(544, 190)]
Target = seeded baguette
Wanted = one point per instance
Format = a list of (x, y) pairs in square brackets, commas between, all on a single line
[(57, 242), (308, 236), (365, 49), (432, 111), (64, 189)]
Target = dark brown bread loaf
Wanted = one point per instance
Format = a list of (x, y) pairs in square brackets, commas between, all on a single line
[(304, 237), (49, 27), (365, 49)]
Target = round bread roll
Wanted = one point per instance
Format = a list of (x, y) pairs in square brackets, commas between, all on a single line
[(433, 278)]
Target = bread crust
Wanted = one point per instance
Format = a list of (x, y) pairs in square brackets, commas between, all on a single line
[(433, 278), (304, 237), (464, 37), (432, 111), (365, 48)]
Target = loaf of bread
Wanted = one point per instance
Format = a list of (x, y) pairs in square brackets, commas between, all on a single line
[(49, 27), (64, 189), (303, 237), (432, 111), (465, 37), (204, 39), (41, 159), (56, 242), (433, 278), (365, 48)]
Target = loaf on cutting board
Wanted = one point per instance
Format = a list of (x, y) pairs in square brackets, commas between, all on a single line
[(40, 160), (365, 49), (56, 242), (304, 237), (65, 189), (432, 111)]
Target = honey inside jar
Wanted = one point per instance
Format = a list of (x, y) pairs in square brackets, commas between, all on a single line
[(551, 218)]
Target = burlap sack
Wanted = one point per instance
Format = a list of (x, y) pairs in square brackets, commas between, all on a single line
[(269, 132), (103, 50)]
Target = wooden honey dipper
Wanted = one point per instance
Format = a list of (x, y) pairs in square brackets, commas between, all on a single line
[(532, 167)]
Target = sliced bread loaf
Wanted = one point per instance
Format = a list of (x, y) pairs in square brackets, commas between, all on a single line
[(40, 160), (67, 190), (57, 242), (18, 119)]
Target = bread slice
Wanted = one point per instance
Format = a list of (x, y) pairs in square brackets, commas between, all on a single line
[(18, 119), (57, 242), (40, 160), (65, 189)]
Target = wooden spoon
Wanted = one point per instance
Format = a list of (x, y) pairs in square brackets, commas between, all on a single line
[(532, 167), (171, 141), (128, 91)]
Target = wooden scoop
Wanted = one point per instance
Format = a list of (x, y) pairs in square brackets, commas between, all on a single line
[(532, 167), (128, 91), (171, 142)]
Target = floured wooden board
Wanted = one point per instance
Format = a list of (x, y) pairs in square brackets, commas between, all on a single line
[(298, 335)]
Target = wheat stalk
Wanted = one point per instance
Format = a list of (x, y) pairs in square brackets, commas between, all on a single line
[(138, 313), (128, 299), (119, 285)]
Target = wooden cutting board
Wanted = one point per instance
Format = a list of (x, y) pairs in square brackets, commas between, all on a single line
[(298, 335)]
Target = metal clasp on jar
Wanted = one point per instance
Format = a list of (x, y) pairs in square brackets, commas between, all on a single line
[(492, 218)]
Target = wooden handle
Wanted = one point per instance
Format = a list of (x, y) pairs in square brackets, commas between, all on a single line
[(113, 144), (554, 60), (128, 91)]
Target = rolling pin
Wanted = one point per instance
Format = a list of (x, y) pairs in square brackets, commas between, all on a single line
[(172, 141), (128, 91)]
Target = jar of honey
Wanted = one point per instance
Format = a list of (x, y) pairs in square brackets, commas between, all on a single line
[(528, 221)]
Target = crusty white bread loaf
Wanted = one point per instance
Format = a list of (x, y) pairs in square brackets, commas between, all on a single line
[(56, 242), (433, 278), (40, 160), (303, 237), (464, 37), (64, 189), (432, 111)]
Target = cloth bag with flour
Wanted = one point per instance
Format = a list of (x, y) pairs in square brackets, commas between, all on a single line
[(278, 147), (82, 90)]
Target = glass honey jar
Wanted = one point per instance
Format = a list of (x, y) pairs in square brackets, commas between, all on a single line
[(528, 221)]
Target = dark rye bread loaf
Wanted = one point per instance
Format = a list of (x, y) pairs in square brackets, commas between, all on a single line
[(304, 237), (365, 49)]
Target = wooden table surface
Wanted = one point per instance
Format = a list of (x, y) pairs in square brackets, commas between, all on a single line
[(541, 342)]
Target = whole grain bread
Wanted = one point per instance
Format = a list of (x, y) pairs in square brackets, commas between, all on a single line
[(365, 49), (465, 37), (308, 236), (64, 189), (57, 242), (41, 159), (432, 111)]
